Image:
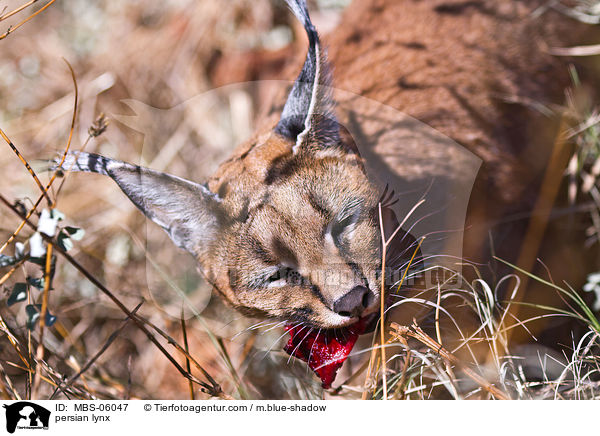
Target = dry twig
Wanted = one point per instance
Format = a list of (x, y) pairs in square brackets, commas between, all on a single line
[(414, 331), (11, 29)]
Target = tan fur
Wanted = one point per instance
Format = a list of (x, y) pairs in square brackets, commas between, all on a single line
[(296, 197), (472, 70), (264, 181)]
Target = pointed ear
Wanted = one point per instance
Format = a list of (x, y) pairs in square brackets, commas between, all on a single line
[(308, 117), (190, 214)]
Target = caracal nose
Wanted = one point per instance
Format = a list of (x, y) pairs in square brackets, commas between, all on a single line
[(354, 302)]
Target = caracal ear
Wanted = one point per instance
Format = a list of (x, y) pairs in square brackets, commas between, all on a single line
[(190, 214), (308, 118)]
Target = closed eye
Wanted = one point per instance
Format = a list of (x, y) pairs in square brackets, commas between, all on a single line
[(279, 274), (282, 276), (345, 224)]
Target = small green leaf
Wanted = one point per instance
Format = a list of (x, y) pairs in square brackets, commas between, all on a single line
[(7, 260), (36, 282), (64, 241), (33, 315), (41, 261), (19, 293), (38, 260), (50, 319), (19, 250), (57, 215), (75, 233)]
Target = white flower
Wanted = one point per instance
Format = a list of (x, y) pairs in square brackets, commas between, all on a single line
[(47, 223), (593, 285), (19, 250), (594, 277), (36, 245)]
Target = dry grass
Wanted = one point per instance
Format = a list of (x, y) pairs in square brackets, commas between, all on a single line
[(427, 369), (98, 347)]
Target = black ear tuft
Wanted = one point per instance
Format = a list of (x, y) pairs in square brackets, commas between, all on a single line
[(307, 116)]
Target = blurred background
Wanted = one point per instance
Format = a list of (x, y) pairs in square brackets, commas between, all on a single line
[(137, 62)]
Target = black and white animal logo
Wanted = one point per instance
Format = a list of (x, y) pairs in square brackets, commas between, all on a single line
[(26, 415)]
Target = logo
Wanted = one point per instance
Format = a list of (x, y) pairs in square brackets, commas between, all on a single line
[(26, 415)]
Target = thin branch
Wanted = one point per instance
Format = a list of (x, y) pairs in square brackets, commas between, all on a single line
[(11, 29), (71, 130), (17, 10), (40, 348), (49, 185), (384, 245), (24, 161), (215, 386), (61, 387), (580, 50), (415, 332), (187, 350), (138, 322)]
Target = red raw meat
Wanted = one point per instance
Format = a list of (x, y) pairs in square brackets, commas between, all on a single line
[(324, 351)]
